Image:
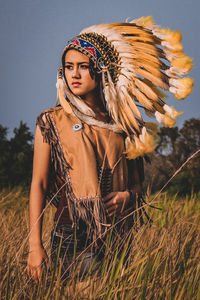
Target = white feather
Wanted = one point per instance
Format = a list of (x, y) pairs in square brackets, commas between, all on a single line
[(77, 102)]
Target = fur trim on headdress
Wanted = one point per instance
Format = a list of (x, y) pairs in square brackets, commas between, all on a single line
[(136, 60)]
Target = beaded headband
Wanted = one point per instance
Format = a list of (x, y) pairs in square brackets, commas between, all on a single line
[(99, 50), (136, 60)]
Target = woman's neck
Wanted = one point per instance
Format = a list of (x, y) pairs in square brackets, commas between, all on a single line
[(94, 101)]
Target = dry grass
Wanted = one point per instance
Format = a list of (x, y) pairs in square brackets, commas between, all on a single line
[(164, 260)]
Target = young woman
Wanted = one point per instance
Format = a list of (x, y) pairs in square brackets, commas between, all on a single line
[(86, 149), (81, 82)]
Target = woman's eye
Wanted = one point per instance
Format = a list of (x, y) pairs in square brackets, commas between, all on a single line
[(68, 67), (84, 66)]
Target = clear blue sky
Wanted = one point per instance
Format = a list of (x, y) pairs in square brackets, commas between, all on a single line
[(34, 32)]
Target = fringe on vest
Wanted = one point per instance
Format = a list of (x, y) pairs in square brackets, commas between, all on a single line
[(89, 209)]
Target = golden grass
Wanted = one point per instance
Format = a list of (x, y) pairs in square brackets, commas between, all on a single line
[(164, 259)]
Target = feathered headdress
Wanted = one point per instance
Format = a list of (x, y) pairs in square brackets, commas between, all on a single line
[(136, 60)]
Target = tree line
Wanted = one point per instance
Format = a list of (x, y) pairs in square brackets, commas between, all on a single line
[(175, 146)]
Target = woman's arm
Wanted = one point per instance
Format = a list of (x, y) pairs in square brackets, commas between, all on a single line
[(38, 189), (116, 202)]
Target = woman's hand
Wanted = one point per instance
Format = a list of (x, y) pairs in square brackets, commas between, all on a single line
[(116, 202), (36, 258)]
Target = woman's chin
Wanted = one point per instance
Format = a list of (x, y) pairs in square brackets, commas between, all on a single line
[(79, 95)]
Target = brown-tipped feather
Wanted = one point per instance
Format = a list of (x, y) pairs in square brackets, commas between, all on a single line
[(131, 25), (132, 30), (155, 80), (160, 93), (125, 125), (153, 127), (129, 103), (146, 89), (129, 117), (158, 65), (123, 24), (122, 124), (142, 99), (159, 108), (149, 39), (144, 47), (152, 67), (146, 56), (134, 108), (155, 71), (148, 46)]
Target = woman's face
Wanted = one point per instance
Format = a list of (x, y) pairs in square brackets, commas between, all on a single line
[(77, 73)]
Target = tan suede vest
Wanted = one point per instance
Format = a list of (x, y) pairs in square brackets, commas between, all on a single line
[(89, 150), (87, 162)]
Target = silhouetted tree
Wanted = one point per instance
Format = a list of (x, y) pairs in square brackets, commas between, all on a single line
[(189, 141), (4, 156), (16, 156), (21, 153), (167, 140)]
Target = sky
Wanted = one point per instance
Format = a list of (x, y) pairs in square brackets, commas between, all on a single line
[(33, 34)]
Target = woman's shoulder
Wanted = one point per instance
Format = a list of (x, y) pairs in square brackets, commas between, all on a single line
[(45, 115), (44, 122), (51, 110)]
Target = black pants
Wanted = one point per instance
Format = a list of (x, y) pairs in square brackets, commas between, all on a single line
[(72, 248)]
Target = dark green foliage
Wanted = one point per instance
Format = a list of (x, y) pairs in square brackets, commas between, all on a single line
[(16, 156), (184, 183), (174, 148)]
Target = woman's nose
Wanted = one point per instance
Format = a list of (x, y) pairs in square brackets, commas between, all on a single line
[(76, 73)]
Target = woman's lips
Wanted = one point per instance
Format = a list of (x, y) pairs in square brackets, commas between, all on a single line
[(76, 84)]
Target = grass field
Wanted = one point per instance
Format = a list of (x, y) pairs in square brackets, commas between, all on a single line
[(164, 259)]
